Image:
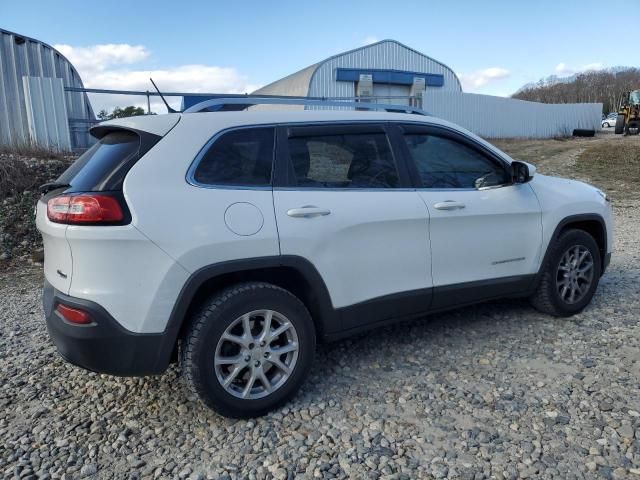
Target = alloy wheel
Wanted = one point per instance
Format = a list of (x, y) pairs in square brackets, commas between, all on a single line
[(575, 274), (256, 354)]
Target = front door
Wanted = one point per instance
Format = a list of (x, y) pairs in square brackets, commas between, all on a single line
[(485, 231)]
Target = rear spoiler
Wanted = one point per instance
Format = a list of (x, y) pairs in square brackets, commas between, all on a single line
[(158, 125)]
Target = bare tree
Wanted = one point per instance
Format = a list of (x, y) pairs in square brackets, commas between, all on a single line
[(604, 86)]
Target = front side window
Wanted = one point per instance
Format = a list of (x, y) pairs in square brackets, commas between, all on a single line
[(446, 163), (240, 157), (354, 160)]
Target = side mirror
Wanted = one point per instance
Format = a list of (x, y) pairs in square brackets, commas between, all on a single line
[(521, 172)]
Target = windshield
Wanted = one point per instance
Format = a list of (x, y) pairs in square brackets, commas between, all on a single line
[(634, 97)]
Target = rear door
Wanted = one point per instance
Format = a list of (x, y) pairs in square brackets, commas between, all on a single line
[(344, 203), (485, 231)]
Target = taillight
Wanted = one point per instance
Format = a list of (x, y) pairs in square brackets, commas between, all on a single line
[(84, 208), (73, 315)]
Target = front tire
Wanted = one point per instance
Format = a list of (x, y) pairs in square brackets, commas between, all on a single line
[(619, 125), (570, 275), (248, 349)]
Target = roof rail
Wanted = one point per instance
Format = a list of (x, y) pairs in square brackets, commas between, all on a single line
[(241, 103)]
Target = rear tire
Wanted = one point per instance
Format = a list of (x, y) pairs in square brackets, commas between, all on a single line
[(606, 125), (619, 125), (230, 353), (567, 284)]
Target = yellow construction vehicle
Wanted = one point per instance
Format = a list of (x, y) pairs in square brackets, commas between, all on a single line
[(628, 121)]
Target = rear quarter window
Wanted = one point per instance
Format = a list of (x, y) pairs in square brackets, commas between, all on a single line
[(237, 158)]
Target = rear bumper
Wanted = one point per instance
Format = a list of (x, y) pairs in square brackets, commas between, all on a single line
[(104, 346)]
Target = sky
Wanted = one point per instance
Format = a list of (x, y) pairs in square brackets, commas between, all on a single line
[(494, 46)]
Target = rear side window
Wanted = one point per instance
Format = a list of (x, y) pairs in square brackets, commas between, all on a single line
[(104, 166), (357, 160), (239, 157), (446, 163)]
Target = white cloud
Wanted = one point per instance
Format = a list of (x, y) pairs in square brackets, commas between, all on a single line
[(369, 40), (564, 69), (478, 79), (99, 57), (112, 66)]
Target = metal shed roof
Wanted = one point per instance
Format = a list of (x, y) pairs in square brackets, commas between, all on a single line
[(383, 54)]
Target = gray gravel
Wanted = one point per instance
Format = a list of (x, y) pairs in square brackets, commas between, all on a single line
[(494, 391)]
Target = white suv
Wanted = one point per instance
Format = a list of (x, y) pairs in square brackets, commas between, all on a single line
[(236, 240)]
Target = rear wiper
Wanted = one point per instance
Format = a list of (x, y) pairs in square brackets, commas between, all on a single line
[(47, 187)]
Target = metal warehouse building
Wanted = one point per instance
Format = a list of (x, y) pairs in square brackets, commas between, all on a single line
[(387, 70), (34, 107), (390, 72), (42, 102)]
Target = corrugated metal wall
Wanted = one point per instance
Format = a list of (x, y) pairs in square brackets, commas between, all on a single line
[(47, 112), (387, 54), (21, 56), (499, 117)]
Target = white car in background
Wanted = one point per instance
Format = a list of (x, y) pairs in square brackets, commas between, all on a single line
[(610, 121), (235, 240)]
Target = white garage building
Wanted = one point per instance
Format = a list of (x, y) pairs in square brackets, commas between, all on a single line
[(390, 72)]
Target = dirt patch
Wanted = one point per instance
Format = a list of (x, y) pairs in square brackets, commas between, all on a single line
[(610, 162), (614, 168)]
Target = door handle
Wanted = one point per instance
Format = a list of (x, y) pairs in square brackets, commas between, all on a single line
[(449, 205), (308, 211)]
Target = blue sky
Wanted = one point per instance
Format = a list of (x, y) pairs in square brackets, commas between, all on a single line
[(494, 46)]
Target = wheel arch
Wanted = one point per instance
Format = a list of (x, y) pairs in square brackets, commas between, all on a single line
[(592, 223), (290, 272)]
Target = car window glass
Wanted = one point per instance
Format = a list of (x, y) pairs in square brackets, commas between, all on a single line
[(239, 157), (96, 169), (359, 160), (445, 163)]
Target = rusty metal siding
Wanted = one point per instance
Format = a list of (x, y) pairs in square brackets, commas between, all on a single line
[(499, 117), (20, 57)]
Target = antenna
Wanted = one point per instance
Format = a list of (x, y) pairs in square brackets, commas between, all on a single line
[(169, 109)]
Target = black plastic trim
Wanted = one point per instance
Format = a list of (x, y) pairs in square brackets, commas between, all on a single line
[(388, 307), (584, 217), (198, 278), (103, 346), (337, 323), (403, 306), (468, 293)]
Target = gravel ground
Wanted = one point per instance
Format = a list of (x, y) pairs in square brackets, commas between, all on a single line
[(493, 391)]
